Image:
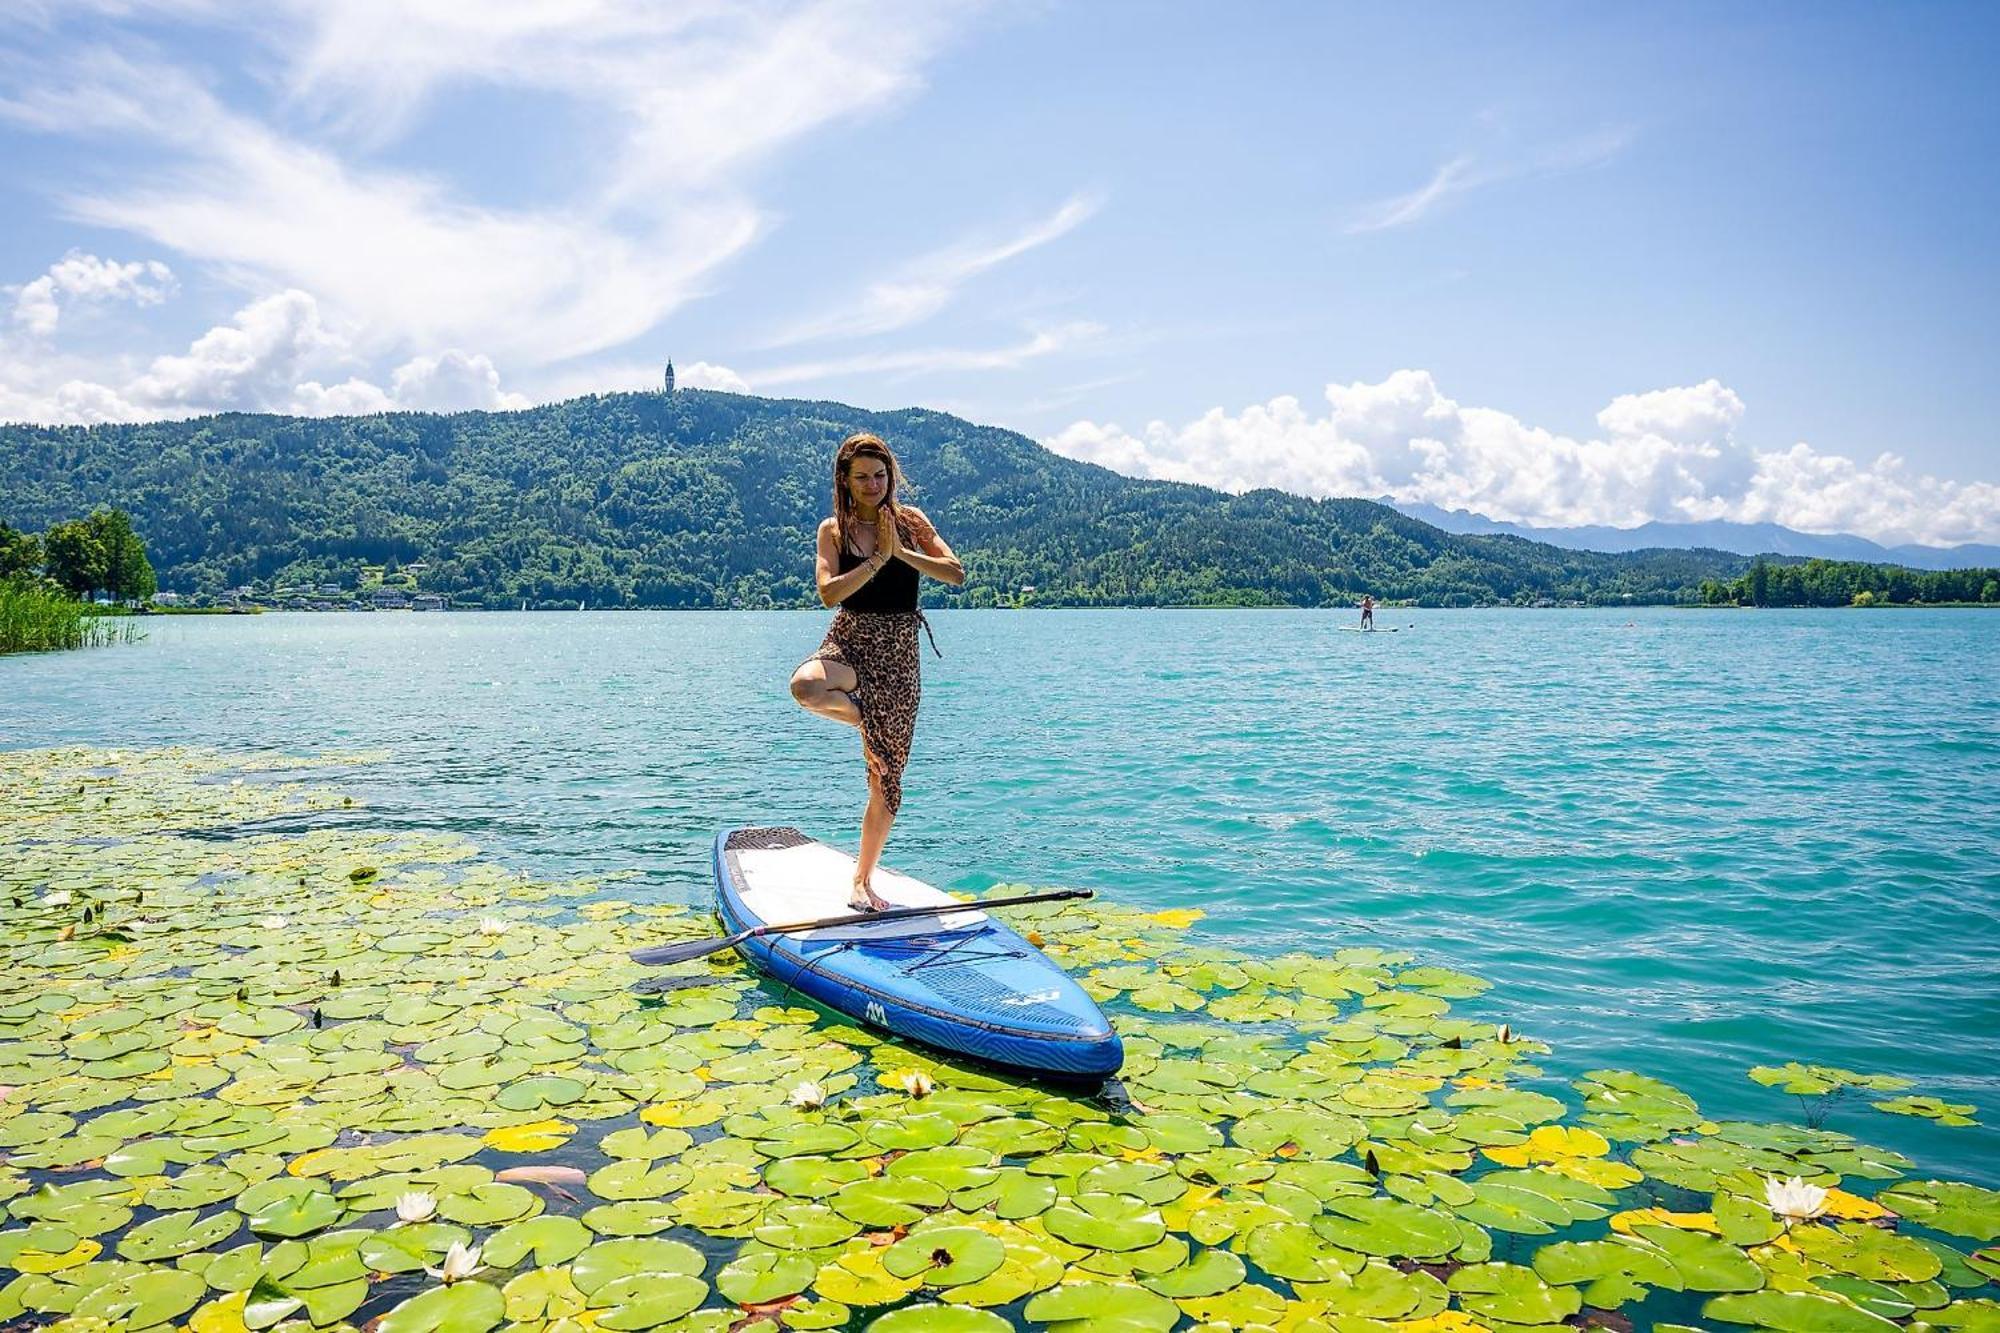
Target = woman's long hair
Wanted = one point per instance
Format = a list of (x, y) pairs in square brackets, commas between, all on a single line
[(861, 444)]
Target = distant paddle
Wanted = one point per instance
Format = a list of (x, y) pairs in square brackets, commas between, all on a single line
[(692, 949)]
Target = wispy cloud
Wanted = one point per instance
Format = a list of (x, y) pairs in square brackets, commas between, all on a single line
[(931, 360), (1464, 175), (929, 283), (682, 104)]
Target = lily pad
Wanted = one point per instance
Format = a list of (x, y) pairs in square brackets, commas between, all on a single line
[(1796, 1312), (463, 1307), (938, 1319), (1103, 1307), (1106, 1221), (944, 1256), (754, 1279)]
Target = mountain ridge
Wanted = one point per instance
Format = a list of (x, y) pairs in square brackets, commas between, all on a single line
[(1717, 534)]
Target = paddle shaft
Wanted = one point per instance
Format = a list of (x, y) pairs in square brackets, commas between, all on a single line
[(685, 952)]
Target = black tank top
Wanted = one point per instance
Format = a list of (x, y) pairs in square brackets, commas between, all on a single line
[(894, 587)]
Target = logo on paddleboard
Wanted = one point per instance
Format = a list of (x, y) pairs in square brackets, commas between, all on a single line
[(877, 1014), (1039, 997)]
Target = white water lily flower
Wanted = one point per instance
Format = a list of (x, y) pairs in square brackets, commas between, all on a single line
[(460, 1262), (808, 1096), (415, 1207), (1794, 1200), (60, 898), (493, 925), (916, 1082), (273, 922)]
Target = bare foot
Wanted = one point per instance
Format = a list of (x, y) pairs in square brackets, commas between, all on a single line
[(863, 898)]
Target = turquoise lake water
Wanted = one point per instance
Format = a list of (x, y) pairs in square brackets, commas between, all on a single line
[(1683, 843)]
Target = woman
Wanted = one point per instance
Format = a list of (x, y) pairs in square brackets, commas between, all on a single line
[(866, 671)]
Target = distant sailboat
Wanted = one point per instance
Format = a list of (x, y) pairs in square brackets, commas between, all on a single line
[(579, 604), (524, 603)]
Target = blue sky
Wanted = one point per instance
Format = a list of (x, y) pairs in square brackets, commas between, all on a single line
[(1557, 263)]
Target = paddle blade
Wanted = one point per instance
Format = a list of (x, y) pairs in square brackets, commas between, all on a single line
[(686, 951)]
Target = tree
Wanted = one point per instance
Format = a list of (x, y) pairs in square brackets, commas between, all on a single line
[(1760, 581), (128, 575), (74, 556), (20, 553)]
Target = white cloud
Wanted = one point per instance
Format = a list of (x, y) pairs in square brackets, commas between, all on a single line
[(702, 375), (1463, 175), (271, 356), (251, 363), (1669, 455), (451, 381), (928, 284), (81, 277)]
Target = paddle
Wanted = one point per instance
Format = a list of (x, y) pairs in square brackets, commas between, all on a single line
[(692, 949)]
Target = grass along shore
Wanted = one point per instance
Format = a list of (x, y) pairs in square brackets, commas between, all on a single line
[(36, 618)]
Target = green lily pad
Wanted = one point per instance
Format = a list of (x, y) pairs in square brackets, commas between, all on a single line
[(950, 1168), (1611, 1272), (1105, 1221), (1103, 1307), (542, 1295), (1704, 1263), (803, 1226), (1874, 1297), (936, 1319), (1390, 1228), (611, 1260), (463, 1307), (944, 1256), (1796, 1312), (813, 1177), (489, 1205), (886, 1201), (288, 1207), (143, 1299), (1293, 1251), (549, 1239), (1512, 1294), (754, 1279), (178, 1233), (640, 1178), (1963, 1210), (1209, 1273), (1378, 1290)]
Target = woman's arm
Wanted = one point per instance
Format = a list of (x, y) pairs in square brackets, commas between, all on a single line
[(935, 559), (834, 586)]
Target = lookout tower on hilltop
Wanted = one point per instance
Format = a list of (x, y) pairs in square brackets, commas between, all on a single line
[(670, 374)]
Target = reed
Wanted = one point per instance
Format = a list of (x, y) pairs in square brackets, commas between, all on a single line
[(37, 618)]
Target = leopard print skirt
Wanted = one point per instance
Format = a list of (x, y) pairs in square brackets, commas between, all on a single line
[(882, 649)]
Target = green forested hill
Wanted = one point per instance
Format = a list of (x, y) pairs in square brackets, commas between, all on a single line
[(710, 499)]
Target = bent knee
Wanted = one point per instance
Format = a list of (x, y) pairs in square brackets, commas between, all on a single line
[(807, 688)]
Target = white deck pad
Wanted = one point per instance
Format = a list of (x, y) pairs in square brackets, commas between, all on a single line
[(804, 883)]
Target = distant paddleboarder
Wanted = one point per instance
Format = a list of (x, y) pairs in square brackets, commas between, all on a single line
[(866, 672), (1367, 611)]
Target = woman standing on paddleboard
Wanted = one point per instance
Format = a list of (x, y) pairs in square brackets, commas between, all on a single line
[(866, 671)]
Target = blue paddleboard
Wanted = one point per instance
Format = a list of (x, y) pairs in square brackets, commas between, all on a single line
[(959, 981)]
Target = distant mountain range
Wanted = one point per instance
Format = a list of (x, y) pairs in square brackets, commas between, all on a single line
[(1741, 538)]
